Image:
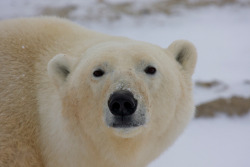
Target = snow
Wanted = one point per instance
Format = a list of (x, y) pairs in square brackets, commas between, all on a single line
[(218, 142), (221, 35)]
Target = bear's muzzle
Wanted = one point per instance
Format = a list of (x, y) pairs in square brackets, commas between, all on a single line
[(122, 103), (124, 111)]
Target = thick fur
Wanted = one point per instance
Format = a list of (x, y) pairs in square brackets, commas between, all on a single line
[(52, 109)]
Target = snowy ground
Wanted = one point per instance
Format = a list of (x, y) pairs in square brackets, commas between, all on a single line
[(221, 35), (218, 142)]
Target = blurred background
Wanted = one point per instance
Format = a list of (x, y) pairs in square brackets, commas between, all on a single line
[(219, 135)]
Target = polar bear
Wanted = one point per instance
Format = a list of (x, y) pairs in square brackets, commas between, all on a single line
[(74, 97)]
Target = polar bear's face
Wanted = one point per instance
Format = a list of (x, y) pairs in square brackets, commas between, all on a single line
[(123, 88)]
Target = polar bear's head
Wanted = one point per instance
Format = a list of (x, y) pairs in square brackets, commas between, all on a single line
[(127, 90)]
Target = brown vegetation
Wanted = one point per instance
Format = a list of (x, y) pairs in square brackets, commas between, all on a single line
[(113, 11), (207, 84), (59, 11), (230, 106)]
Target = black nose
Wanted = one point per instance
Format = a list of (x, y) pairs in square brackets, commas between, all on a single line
[(122, 103)]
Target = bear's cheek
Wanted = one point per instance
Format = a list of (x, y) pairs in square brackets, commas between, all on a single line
[(161, 112), (164, 100), (83, 107)]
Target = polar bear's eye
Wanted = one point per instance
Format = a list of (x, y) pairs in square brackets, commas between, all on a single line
[(98, 73), (150, 70)]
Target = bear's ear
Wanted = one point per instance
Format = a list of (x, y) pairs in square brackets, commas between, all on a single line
[(185, 54), (60, 67)]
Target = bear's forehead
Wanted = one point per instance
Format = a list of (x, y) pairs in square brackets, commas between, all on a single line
[(124, 49)]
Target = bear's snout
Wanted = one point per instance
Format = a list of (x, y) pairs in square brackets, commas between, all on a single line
[(124, 110), (122, 103)]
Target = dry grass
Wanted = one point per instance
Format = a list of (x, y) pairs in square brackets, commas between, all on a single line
[(59, 11), (207, 84), (167, 6), (230, 106), (113, 11)]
